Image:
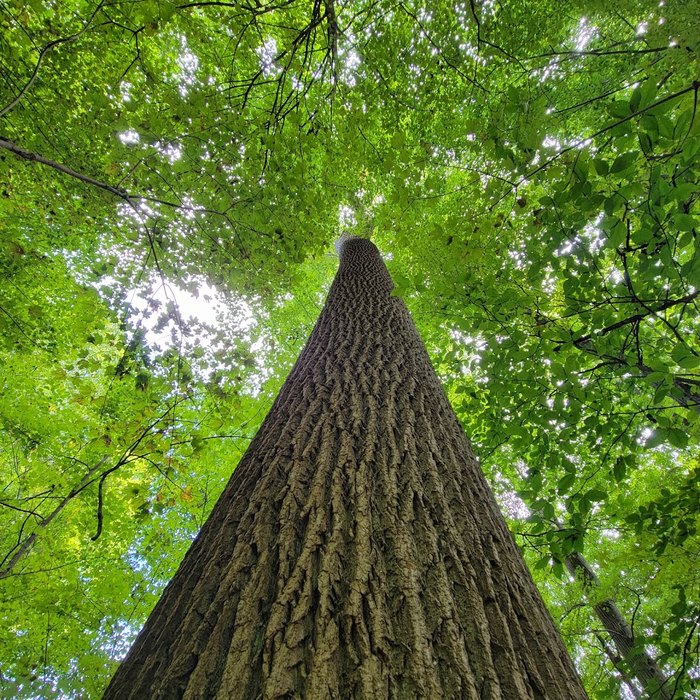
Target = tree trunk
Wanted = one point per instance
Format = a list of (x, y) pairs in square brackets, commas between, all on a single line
[(641, 665), (357, 551)]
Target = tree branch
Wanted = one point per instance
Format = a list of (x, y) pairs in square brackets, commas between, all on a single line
[(637, 317), (123, 194), (43, 53), (25, 546), (37, 158), (694, 87)]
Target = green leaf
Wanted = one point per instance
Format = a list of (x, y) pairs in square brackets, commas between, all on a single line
[(689, 361), (601, 166), (635, 99), (543, 563), (619, 109), (677, 437), (658, 437), (548, 511), (619, 469), (684, 222), (617, 235), (565, 483), (677, 633), (623, 162)]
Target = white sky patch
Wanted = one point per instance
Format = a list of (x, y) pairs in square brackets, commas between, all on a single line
[(615, 277), (478, 342), (349, 60), (213, 330), (473, 52), (138, 214), (519, 258), (583, 36), (266, 56), (125, 91), (201, 302), (171, 150), (346, 216), (592, 233), (567, 247), (192, 208), (188, 63), (508, 499), (471, 348), (549, 282), (551, 142), (488, 7), (130, 137), (351, 63), (645, 435), (549, 71)]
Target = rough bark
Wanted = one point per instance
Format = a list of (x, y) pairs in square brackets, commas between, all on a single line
[(357, 551), (640, 664)]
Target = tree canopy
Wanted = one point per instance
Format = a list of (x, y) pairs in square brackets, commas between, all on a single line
[(172, 178)]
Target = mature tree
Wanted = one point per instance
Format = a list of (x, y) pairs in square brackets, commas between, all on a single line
[(357, 551), (172, 174)]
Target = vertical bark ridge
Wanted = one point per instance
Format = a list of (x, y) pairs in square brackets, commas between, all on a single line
[(357, 551)]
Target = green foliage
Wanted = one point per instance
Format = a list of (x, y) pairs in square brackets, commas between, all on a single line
[(530, 168)]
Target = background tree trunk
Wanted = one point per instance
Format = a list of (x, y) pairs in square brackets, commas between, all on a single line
[(639, 662), (357, 551)]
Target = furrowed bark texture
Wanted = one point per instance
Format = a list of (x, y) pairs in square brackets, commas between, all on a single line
[(357, 551)]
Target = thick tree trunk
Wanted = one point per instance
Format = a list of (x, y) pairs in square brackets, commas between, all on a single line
[(357, 551), (640, 664)]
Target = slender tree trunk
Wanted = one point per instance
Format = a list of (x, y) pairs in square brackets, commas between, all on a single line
[(357, 551), (640, 664), (615, 660)]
